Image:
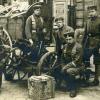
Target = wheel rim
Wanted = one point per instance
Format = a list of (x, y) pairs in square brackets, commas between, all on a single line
[(6, 41), (46, 63), (7, 38), (15, 67)]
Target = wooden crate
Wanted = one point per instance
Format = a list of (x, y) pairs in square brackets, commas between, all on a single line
[(41, 87)]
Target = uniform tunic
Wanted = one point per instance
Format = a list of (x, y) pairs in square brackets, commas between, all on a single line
[(74, 66), (73, 54), (92, 38), (34, 28), (60, 39)]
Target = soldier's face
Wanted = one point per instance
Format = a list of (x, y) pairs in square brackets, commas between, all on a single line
[(56, 29), (37, 11), (60, 23), (92, 13), (70, 40)]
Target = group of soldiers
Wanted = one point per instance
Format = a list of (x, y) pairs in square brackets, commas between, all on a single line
[(76, 47)]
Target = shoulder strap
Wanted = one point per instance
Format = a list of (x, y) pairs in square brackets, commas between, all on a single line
[(33, 24), (33, 19)]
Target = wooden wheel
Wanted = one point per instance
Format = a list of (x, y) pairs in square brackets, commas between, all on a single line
[(6, 46), (6, 39), (46, 63), (15, 68)]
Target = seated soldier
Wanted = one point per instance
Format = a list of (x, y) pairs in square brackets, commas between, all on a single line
[(74, 66)]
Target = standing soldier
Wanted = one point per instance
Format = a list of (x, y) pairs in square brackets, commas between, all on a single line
[(91, 40), (34, 28)]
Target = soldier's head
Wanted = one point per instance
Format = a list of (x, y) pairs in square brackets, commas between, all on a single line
[(92, 10), (37, 10), (60, 22), (70, 38)]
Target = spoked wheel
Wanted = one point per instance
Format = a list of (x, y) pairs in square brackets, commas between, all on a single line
[(15, 68), (6, 46), (16, 74), (46, 63)]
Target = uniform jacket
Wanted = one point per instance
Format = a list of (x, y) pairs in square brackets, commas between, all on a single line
[(73, 52), (33, 23), (73, 59), (92, 32), (59, 37)]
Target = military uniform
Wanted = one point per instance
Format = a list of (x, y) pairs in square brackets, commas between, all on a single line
[(91, 43), (73, 52), (34, 28), (60, 38), (73, 67)]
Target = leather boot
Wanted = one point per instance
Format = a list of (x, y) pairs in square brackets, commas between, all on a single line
[(96, 76), (73, 93)]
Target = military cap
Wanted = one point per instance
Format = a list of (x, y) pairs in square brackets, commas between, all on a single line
[(59, 18), (92, 7), (70, 34), (69, 31), (37, 6)]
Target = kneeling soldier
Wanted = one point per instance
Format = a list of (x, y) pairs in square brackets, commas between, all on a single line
[(74, 66)]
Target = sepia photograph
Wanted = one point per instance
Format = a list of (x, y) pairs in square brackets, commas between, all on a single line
[(49, 49)]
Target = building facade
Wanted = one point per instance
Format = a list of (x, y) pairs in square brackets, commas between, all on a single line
[(3, 2), (60, 9)]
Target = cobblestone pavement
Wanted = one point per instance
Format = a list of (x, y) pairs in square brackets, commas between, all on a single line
[(18, 91)]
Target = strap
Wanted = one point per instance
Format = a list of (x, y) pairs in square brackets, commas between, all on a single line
[(33, 24), (33, 19)]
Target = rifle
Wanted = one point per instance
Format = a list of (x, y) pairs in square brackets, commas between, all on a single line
[(86, 37)]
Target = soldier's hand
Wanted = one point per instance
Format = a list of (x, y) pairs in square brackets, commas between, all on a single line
[(72, 71), (64, 68), (6, 46), (31, 41)]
